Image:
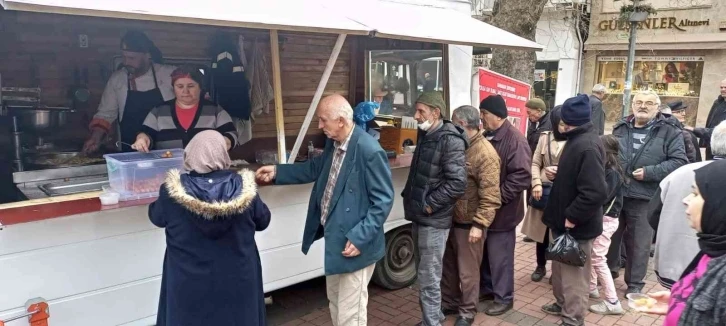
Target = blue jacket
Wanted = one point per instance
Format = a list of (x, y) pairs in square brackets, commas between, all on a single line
[(212, 273), (362, 199)]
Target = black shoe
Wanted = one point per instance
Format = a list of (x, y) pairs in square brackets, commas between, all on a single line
[(615, 275), (486, 297), (633, 289), (463, 321), (539, 273), (622, 262), (552, 309), (449, 312), (497, 309), (527, 239)]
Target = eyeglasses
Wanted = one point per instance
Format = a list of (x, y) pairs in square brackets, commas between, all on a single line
[(648, 103)]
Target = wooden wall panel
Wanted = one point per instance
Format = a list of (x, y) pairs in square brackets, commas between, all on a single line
[(50, 44)]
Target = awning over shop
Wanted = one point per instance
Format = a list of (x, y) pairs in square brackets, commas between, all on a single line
[(704, 41), (372, 17)]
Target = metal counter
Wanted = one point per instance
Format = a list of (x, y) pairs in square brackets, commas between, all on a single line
[(61, 181)]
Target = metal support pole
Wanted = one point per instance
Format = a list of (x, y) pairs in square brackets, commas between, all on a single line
[(277, 88), (629, 67)]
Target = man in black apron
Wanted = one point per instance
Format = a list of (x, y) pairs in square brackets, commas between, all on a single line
[(139, 70)]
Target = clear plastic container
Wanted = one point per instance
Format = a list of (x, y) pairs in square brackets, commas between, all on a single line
[(138, 175)]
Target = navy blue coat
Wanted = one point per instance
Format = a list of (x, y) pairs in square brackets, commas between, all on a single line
[(362, 199), (212, 273)]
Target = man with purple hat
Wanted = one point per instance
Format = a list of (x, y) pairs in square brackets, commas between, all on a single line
[(575, 206)]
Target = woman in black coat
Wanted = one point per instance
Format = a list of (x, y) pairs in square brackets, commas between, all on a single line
[(212, 273)]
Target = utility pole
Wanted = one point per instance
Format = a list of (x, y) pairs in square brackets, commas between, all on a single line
[(634, 19)]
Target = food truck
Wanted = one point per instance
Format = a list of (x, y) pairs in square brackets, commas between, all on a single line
[(101, 265)]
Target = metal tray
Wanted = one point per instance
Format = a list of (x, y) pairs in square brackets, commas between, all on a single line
[(73, 187), (61, 160)]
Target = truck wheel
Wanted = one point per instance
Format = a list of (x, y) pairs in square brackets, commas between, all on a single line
[(398, 268)]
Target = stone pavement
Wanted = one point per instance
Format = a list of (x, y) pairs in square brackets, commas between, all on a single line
[(401, 307)]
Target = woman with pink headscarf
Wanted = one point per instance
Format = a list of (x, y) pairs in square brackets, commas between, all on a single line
[(212, 273)]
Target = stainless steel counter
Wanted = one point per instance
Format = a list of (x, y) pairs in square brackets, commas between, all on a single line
[(61, 181)]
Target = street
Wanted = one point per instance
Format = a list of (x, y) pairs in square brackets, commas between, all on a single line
[(305, 304)]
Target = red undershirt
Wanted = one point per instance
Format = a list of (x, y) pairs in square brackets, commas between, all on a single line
[(186, 116)]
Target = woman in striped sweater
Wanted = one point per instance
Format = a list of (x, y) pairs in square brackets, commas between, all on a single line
[(174, 123)]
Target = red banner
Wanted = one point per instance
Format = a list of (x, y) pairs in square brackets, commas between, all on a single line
[(514, 92)]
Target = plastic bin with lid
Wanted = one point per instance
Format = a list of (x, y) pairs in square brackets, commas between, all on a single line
[(137, 175)]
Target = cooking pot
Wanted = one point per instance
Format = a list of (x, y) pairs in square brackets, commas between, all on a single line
[(33, 118)]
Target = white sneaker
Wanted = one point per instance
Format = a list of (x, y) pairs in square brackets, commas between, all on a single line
[(594, 294), (606, 308)]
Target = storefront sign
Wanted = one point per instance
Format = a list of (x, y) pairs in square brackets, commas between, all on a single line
[(653, 23), (514, 92), (651, 58)]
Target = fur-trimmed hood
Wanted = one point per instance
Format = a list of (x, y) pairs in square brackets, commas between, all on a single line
[(215, 195)]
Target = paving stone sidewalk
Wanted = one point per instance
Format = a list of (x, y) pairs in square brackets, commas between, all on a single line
[(400, 307)]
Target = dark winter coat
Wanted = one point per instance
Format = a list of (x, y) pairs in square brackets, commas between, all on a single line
[(361, 201), (597, 114), (578, 192), (662, 152), (715, 116), (614, 203), (515, 177), (690, 141), (212, 273), (534, 131), (437, 178)]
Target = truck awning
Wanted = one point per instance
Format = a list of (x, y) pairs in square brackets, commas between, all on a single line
[(431, 24), (372, 17), (290, 15)]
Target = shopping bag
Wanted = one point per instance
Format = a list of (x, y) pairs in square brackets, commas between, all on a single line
[(565, 249)]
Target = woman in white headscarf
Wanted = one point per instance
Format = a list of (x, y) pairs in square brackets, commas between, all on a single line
[(212, 273)]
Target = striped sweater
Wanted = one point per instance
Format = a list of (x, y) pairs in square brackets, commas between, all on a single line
[(163, 127)]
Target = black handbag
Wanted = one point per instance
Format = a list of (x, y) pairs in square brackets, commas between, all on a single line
[(565, 249), (546, 187)]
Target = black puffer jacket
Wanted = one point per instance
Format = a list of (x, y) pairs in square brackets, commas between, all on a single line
[(662, 153), (715, 116), (437, 178)]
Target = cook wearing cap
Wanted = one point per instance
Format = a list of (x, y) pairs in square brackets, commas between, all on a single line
[(141, 84)]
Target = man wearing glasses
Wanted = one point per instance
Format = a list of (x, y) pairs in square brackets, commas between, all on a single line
[(651, 147)]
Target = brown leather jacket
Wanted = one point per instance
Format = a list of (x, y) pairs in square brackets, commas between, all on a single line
[(479, 204)]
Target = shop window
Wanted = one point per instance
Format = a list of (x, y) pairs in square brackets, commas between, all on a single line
[(668, 76), (396, 78), (545, 81)]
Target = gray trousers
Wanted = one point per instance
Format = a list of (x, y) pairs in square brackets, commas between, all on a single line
[(497, 266), (430, 246), (636, 234), (571, 287)]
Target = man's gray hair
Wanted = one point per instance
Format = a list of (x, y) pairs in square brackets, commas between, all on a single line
[(718, 139), (468, 114), (599, 89), (648, 92), (344, 110)]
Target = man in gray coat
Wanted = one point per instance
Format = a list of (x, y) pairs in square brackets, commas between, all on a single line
[(651, 147), (597, 115)]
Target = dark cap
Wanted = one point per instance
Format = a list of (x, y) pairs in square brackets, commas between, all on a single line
[(677, 106), (495, 105), (137, 41)]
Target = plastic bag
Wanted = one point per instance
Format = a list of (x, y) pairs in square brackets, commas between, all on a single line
[(565, 249)]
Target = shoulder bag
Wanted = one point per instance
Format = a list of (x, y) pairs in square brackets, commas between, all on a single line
[(546, 187)]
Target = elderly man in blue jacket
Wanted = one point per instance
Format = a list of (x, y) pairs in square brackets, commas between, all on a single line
[(350, 201)]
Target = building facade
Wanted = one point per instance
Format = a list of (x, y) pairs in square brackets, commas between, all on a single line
[(558, 67), (680, 53)]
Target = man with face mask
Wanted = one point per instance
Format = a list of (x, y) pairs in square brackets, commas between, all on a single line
[(651, 147), (437, 179), (497, 267), (131, 92)]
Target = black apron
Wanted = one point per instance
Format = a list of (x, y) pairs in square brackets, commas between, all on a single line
[(138, 105)]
